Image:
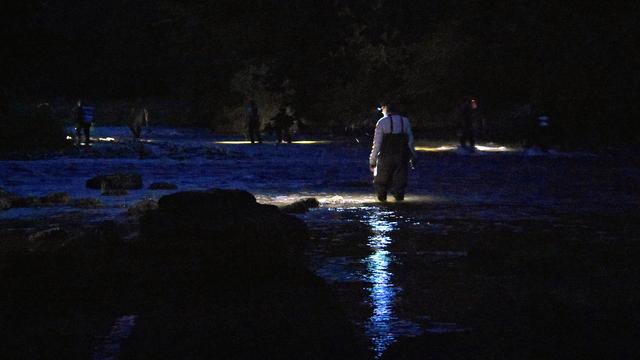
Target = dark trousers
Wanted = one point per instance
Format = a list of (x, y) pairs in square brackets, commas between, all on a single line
[(391, 176), (283, 134), (136, 130), (254, 133), (467, 137), (83, 127)]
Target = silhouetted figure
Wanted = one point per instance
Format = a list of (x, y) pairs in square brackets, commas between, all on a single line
[(542, 132), (391, 153), (468, 116), (83, 117), (138, 117), (253, 122), (282, 123)]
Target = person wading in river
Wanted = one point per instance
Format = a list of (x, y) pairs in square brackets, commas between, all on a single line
[(391, 153)]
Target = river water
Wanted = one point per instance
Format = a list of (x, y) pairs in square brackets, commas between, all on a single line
[(372, 255)]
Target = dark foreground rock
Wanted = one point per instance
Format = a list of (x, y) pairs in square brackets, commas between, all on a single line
[(300, 206), (213, 275), (120, 181)]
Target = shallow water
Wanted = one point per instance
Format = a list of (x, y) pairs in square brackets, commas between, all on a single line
[(377, 257)]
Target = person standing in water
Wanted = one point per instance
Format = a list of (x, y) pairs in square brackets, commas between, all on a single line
[(392, 151), (253, 121)]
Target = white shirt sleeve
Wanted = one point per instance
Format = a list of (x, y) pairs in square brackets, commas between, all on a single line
[(377, 142), (410, 137)]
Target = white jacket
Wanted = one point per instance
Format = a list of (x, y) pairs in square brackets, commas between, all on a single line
[(383, 126)]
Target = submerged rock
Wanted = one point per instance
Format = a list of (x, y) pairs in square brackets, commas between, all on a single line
[(300, 206), (55, 198), (24, 201), (86, 203), (122, 180), (162, 186)]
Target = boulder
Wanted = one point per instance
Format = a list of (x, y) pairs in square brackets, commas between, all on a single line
[(121, 180), (141, 207), (162, 186), (300, 206), (55, 198)]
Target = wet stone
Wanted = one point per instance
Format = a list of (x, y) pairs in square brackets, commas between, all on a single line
[(24, 201), (122, 180), (114, 192), (55, 198), (86, 203)]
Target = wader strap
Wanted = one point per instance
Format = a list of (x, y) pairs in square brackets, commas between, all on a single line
[(401, 124)]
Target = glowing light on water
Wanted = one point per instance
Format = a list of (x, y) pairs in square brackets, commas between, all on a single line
[(493, 148), (435, 149), (382, 291), (107, 139), (485, 148), (244, 142)]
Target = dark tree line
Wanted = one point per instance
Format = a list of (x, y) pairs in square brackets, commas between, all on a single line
[(333, 60)]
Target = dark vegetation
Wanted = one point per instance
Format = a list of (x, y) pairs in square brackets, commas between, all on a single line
[(332, 61)]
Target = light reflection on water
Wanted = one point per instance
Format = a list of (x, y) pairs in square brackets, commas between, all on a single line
[(382, 291)]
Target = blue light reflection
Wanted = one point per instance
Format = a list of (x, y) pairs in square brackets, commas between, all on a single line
[(382, 291)]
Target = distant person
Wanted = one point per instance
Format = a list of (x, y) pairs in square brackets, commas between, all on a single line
[(282, 123), (541, 135), (392, 150), (138, 117), (468, 116), (252, 118), (83, 118)]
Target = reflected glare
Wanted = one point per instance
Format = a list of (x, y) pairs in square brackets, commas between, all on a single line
[(435, 149), (485, 148), (382, 291), (243, 142)]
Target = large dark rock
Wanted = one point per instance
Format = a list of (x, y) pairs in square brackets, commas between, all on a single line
[(233, 268), (121, 181)]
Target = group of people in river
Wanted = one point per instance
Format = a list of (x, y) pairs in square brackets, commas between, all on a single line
[(392, 153)]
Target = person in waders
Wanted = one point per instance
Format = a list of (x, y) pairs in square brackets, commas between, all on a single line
[(83, 117), (138, 117), (253, 121), (392, 151)]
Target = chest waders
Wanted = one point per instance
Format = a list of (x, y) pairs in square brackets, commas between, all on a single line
[(392, 164)]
